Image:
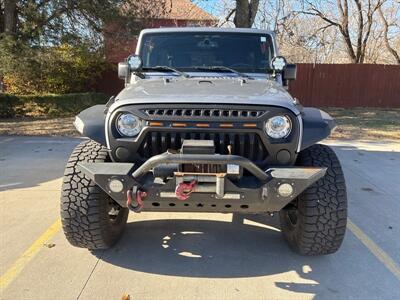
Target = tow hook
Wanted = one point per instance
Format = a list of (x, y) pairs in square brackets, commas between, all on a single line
[(135, 204), (183, 190)]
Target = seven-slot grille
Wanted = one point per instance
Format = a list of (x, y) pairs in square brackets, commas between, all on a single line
[(246, 144), (203, 112)]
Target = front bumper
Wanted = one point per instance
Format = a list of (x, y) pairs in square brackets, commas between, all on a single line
[(257, 193)]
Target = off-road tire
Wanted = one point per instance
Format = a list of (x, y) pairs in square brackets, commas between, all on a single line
[(85, 207), (315, 222)]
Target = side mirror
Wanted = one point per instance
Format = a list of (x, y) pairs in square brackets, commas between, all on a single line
[(289, 74), (278, 64), (123, 70), (132, 64)]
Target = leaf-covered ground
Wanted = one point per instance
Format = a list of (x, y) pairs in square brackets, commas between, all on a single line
[(366, 123), (357, 123)]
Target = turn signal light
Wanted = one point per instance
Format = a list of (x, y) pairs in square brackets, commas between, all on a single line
[(250, 125), (179, 124), (202, 125), (226, 125), (156, 124)]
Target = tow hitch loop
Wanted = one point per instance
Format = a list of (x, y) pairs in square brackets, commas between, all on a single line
[(138, 199), (183, 190)]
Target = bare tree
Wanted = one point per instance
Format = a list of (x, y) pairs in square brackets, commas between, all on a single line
[(305, 35), (298, 35), (355, 37), (244, 13), (386, 26)]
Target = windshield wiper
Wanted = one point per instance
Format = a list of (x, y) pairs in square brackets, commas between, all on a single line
[(221, 68), (166, 68)]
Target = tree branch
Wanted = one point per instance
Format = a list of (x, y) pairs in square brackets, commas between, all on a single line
[(386, 36), (319, 14), (226, 20), (360, 29)]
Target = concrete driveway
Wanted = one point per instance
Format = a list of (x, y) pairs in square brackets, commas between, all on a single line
[(194, 256)]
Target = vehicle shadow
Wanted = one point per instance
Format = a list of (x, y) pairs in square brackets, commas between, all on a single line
[(249, 246)]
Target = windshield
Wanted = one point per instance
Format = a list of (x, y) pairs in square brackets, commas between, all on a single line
[(187, 51)]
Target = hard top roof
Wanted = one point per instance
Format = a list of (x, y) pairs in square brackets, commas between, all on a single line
[(205, 29)]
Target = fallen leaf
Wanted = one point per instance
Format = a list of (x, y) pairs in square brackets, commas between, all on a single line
[(126, 297)]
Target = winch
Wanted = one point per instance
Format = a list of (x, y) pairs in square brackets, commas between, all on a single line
[(198, 147), (199, 178)]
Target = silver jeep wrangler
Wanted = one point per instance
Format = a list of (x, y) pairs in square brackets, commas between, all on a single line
[(205, 124)]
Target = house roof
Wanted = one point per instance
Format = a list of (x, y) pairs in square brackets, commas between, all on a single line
[(185, 10), (169, 9)]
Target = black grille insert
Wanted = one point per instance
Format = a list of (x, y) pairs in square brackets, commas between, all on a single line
[(247, 144), (203, 112)]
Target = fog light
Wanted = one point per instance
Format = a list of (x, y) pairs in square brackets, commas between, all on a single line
[(116, 186), (285, 190)]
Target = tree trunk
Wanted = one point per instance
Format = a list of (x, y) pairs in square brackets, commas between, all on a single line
[(245, 13), (10, 16), (1, 16)]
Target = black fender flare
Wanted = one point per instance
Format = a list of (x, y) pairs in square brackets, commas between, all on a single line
[(90, 123), (317, 125)]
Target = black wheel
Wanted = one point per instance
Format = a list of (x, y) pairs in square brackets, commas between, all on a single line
[(90, 218), (315, 222)]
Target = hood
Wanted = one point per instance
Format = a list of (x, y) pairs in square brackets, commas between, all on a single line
[(206, 90)]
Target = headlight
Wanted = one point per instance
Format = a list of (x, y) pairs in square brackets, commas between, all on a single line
[(128, 125), (278, 127)]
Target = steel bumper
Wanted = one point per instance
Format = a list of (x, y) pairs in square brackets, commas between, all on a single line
[(261, 192)]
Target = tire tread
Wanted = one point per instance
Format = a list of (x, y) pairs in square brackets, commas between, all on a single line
[(84, 204), (322, 208)]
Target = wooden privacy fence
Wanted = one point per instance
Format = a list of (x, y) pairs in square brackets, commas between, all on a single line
[(347, 85), (340, 85)]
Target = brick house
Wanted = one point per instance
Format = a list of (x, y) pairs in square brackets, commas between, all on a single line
[(120, 43)]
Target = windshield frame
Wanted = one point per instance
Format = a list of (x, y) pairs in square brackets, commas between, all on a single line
[(275, 51)]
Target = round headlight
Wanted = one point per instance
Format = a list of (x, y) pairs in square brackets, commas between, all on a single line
[(278, 127), (128, 125)]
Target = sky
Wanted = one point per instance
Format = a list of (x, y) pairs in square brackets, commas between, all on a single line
[(207, 5)]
